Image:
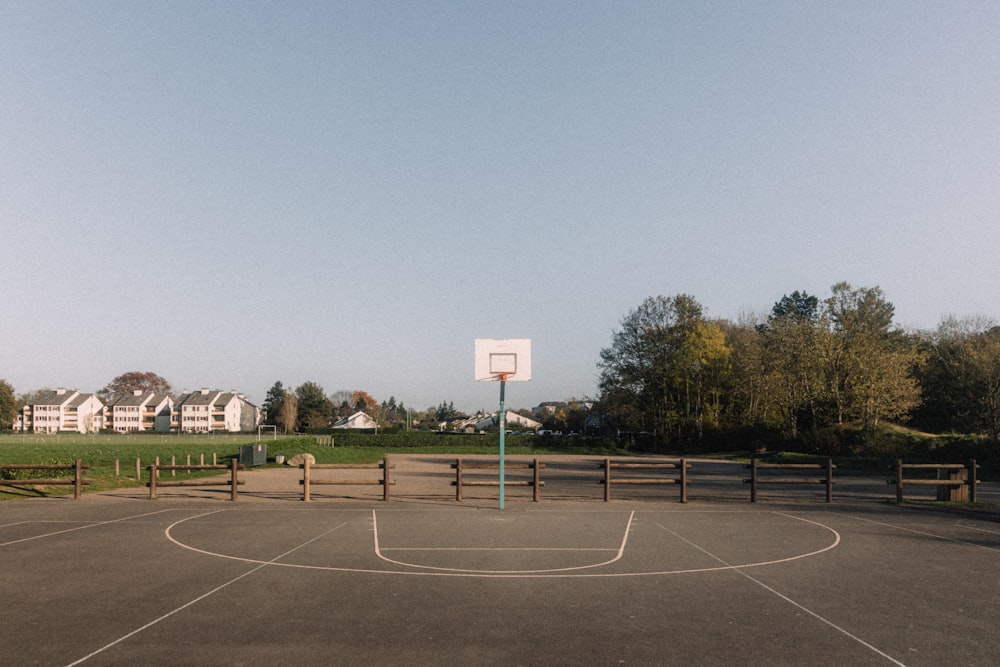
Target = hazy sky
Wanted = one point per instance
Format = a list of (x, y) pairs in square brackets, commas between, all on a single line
[(230, 194)]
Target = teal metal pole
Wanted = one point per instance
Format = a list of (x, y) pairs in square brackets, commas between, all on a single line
[(503, 432)]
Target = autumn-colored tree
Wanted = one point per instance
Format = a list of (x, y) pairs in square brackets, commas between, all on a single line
[(362, 400), (126, 383)]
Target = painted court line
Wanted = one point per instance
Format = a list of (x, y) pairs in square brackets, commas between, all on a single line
[(84, 527), (978, 529), (926, 534), (618, 554), (557, 574), (784, 597), (200, 597)]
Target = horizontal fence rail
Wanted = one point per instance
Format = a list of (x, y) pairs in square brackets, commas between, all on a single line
[(307, 479), (233, 482), (77, 481), (668, 466), (461, 481), (955, 481), (756, 478)]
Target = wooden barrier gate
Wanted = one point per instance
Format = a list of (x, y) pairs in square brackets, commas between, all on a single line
[(460, 481), (233, 481), (681, 464), (77, 481), (960, 486), (307, 481), (755, 477)]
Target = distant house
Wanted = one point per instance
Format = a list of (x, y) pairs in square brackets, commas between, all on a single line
[(63, 410), (140, 411), (512, 419), (359, 420)]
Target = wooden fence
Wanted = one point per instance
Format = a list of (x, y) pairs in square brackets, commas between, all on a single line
[(681, 465), (233, 482), (756, 478), (955, 481), (77, 481), (307, 480), (462, 481)]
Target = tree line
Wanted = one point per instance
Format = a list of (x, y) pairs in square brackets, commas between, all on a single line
[(308, 408), (802, 371)]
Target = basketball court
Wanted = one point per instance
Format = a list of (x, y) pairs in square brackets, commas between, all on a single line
[(117, 580)]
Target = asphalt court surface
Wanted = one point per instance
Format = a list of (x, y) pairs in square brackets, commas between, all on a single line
[(116, 581)]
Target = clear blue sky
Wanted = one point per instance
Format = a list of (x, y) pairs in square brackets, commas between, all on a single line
[(234, 193)]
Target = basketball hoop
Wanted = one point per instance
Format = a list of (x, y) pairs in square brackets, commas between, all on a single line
[(502, 360)]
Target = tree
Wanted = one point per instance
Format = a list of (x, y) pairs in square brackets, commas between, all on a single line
[(664, 370), (749, 389), (272, 403), (8, 405), (315, 410), (445, 412), (362, 400), (792, 340), (871, 367), (288, 413), (961, 380), (126, 383)]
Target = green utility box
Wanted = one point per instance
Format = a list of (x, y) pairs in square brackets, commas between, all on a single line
[(253, 455)]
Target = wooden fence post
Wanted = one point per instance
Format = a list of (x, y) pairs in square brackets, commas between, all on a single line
[(535, 481), (607, 480), (78, 481), (152, 481), (117, 469), (458, 479), (173, 462), (305, 480), (972, 481), (684, 481), (829, 480), (899, 480), (235, 466), (138, 470), (385, 479), (753, 480)]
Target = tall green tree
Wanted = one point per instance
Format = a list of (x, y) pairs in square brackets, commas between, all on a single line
[(961, 379), (663, 372), (792, 340), (315, 410), (750, 401), (8, 405), (273, 402), (871, 366)]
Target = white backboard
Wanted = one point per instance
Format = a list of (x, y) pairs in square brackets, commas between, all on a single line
[(508, 357)]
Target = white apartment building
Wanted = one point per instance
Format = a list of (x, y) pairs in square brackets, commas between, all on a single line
[(140, 411), (63, 410), (203, 411), (206, 410)]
